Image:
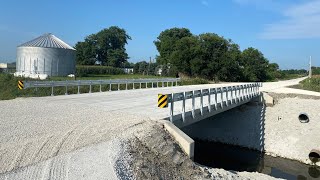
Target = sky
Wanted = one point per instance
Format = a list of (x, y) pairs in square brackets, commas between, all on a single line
[(287, 32)]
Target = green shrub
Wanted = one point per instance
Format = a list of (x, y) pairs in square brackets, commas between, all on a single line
[(311, 84), (193, 81), (85, 71)]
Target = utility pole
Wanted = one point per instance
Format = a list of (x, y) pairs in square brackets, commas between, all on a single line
[(149, 66), (310, 69)]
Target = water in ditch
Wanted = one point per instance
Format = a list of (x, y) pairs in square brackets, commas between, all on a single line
[(229, 157)]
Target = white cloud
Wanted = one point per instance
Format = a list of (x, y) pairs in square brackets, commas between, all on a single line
[(300, 21), (205, 3)]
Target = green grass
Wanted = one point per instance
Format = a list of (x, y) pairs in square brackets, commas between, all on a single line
[(311, 84), (291, 76), (9, 88), (101, 77)]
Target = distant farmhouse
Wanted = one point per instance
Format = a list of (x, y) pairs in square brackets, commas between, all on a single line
[(128, 70), (7, 67)]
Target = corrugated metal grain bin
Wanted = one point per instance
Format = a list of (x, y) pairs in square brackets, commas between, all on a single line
[(46, 54)]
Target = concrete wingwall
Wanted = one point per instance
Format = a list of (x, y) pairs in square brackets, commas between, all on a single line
[(275, 130)]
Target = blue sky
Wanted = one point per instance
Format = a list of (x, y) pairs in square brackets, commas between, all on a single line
[(286, 32)]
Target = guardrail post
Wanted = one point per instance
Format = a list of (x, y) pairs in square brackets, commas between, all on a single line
[(171, 83), (100, 86), (171, 107), (232, 96), (201, 102), (118, 86), (227, 96), (140, 85), (215, 99), (151, 84), (243, 92), (66, 88), (162, 83), (78, 86), (133, 86), (193, 105), (238, 93), (110, 86), (146, 85), (184, 107), (52, 88), (126, 85), (209, 100), (90, 86), (247, 91), (221, 92)]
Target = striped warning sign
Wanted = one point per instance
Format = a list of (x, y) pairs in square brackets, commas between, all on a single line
[(162, 100), (20, 84)]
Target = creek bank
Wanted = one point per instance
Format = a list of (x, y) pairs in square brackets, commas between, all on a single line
[(156, 155)]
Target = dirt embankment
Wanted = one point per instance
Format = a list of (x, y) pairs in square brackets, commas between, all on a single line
[(157, 156)]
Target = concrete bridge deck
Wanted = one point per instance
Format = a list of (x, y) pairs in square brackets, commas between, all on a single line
[(142, 102)]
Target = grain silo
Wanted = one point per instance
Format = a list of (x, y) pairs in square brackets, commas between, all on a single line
[(45, 55)]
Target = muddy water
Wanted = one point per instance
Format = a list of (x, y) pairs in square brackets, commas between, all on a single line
[(229, 157)]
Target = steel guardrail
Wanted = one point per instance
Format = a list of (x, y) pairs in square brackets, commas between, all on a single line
[(233, 94), (78, 83)]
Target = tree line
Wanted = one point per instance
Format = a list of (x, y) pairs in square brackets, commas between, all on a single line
[(211, 56), (181, 53)]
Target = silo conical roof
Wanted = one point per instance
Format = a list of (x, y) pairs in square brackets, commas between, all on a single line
[(47, 40)]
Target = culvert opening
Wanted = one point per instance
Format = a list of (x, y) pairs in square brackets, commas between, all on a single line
[(314, 156), (303, 118)]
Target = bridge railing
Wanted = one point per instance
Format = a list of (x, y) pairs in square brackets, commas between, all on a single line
[(154, 83), (228, 95)]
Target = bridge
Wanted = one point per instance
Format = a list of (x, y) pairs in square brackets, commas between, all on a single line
[(37, 128), (143, 102)]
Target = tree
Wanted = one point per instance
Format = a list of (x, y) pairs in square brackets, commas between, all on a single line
[(254, 65), (166, 42), (187, 49), (230, 69), (273, 71), (107, 46)]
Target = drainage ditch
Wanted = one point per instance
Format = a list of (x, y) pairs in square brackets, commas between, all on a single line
[(230, 157)]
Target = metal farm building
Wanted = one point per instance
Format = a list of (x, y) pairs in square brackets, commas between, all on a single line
[(46, 54)]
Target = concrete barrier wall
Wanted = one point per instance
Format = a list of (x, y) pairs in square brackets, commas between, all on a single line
[(185, 142)]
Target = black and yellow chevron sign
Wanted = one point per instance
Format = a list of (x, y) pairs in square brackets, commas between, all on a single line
[(162, 100), (20, 84)]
